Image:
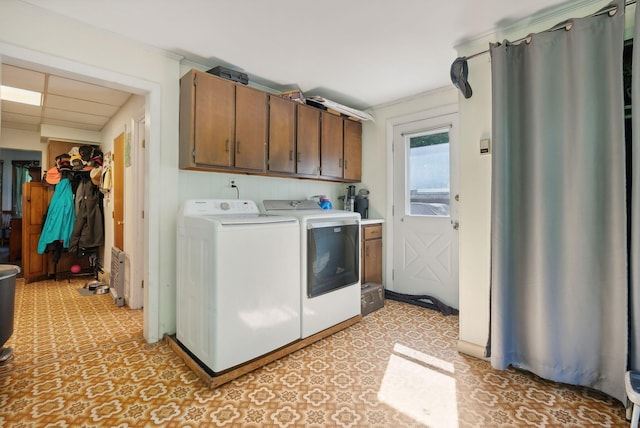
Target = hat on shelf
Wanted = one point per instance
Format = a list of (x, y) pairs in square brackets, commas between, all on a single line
[(53, 175), (76, 162), (96, 175)]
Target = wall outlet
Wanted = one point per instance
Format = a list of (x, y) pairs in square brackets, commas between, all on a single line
[(232, 182)]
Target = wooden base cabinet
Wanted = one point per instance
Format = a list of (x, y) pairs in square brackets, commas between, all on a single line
[(371, 259)]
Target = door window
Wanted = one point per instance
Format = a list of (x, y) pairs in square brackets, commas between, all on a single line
[(428, 186)]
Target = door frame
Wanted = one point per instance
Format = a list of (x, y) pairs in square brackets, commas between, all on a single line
[(388, 230), (152, 91)]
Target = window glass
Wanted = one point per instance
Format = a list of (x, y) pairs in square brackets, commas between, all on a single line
[(428, 173)]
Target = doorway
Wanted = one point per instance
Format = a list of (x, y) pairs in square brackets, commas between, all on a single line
[(425, 208), (37, 61)]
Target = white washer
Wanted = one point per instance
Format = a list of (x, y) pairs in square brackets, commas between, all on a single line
[(329, 243), (238, 276)]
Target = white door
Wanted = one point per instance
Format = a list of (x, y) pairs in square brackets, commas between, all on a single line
[(425, 186), (137, 258)]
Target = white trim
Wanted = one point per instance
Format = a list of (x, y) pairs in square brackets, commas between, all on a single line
[(44, 62)]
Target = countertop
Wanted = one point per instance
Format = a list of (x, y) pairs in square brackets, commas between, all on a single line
[(364, 222)]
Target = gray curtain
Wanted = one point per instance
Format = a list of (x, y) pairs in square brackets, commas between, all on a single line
[(559, 248), (634, 257)]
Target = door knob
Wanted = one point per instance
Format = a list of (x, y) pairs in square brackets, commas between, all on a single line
[(119, 223), (455, 225)]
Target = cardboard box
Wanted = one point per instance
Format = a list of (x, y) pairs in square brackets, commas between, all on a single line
[(371, 298)]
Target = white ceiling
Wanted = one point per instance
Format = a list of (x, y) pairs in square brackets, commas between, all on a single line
[(361, 53)]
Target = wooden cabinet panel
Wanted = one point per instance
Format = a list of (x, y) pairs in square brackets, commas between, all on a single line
[(331, 145), (251, 128), (308, 141), (352, 150), (56, 148), (282, 126), (213, 121), (207, 119), (371, 254), (35, 200)]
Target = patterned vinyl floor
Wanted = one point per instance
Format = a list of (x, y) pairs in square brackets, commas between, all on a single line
[(80, 361)]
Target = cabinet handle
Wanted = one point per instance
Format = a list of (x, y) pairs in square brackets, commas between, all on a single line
[(345, 164), (226, 148), (340, 163), (237, 146), (290, 155), (299, 157)]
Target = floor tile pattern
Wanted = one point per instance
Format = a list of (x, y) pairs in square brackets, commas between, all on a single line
[(82, 361)]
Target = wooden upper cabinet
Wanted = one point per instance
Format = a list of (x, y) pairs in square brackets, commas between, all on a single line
[(352, 150), (282, 137), (331, 140), (251, 129), (226, 126), (207, 120), (308, 141)]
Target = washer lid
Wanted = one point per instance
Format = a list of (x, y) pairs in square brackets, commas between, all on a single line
[(7, 271)]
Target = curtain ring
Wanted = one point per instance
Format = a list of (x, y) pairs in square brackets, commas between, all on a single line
[(568, 25)]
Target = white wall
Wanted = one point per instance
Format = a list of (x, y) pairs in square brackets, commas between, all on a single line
[(122, 123)]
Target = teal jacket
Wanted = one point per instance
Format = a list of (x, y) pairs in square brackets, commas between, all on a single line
[(61, 217)]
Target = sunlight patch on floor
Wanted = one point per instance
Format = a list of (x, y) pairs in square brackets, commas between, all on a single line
[(420, 386)]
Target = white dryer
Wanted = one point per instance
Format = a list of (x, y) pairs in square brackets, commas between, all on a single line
[(329, 260), (238, 281)]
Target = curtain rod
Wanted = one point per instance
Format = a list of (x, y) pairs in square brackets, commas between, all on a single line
[(566, 25)]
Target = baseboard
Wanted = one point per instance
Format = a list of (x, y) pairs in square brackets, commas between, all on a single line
[(472, 349)]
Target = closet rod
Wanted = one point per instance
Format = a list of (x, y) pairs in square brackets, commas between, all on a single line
[(565, 24)]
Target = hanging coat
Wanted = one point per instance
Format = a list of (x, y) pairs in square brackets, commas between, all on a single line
[(61, 217), (88, 231)]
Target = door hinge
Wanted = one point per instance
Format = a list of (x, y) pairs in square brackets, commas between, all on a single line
[(393, 274), (144, 143), (142, 214), (194, 155), (393, 210), (142, 284)]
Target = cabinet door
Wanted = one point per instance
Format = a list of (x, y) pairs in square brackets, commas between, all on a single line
[(331, 145), (308, 141), (372, 271), (251, 128), (282, 121), (213, 125), (352, 150), (35, 201)]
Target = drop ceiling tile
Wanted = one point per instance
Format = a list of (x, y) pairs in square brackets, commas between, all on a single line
[(50, 113), (86, 91), (76, 105), (19, 108), (76, 125), (20, 126), (22, 78), (20, 118)]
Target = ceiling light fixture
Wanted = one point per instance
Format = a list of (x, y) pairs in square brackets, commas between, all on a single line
[(7, 93)]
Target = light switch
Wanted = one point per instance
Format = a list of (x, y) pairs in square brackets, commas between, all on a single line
[(485, 146)]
